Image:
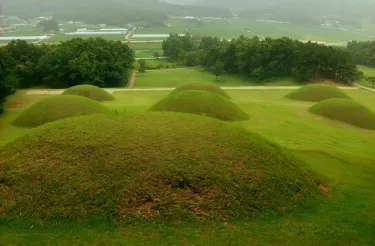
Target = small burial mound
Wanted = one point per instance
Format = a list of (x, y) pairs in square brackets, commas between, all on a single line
[(202, 87), (346, 110), (170, 165), (90, 91), (317, 93), (201, 103), (58, 107)]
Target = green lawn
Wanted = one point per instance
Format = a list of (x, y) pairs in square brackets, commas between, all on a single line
[(174, 78), (338, 152)]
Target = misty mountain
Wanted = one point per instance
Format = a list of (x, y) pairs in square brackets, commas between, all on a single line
[(109, 11)]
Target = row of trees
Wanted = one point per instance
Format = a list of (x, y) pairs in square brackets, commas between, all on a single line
[(264, 59), (93, 61), (363, 52)]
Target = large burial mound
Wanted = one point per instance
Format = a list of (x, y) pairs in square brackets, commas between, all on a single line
[(202, 87), (201, 103), (58, 107), (160, 165), (90, 91), (347, 111), (317, 93)]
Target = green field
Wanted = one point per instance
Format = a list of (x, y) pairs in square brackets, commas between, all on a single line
[(340, 153), (234, 28), (174, 78)]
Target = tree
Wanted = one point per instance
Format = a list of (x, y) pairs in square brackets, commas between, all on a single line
[(371, 80), (217, 69), (156, 55), (49, 25), (142, 66)]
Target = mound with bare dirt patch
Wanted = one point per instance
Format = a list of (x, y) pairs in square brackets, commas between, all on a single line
[(170, 166)]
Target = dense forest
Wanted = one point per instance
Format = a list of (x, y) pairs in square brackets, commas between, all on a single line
[(363, 52), (92, 61), (264, 59)]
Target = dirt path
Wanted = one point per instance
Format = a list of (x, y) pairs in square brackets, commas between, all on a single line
[(57, 92), (132, 79)]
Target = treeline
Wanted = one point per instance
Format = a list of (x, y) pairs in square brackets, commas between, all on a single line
[(93, 61), (363, 52), (263, 59)]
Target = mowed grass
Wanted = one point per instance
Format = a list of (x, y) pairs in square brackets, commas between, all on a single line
[(341, 153), (171, 78)]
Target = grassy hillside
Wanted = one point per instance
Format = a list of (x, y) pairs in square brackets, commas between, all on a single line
[(204, 103), (317, 93), (90, 91), (341, 154)]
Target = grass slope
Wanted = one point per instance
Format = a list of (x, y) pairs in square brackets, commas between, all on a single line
[(202, 86), (316, 93), (58, 107), (346, 110), (169, 166), (90, 91), (201, 103)]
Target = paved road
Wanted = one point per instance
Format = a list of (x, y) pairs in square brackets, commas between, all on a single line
[(57, 92)]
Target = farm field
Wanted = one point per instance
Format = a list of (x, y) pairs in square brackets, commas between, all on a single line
[(339, 153), (234, 28)]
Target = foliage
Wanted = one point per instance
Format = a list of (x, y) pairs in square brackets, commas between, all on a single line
[(90, 91), (170, 167), (264, 59), (346, 110), (202, 87), (176, 45), (363, 52), (49, 25), (142, 66), (371, 80), (93, 61), (316, 93), (203, 103), (58, 107), (156, 54), (217, 69)]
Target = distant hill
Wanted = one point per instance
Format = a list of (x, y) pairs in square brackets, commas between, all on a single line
[(109, 11)]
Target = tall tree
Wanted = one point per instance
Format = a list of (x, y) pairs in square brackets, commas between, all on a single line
[(217, 69)]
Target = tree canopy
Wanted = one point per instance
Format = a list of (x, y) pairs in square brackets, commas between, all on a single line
[(264, 59), (363, 52)]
